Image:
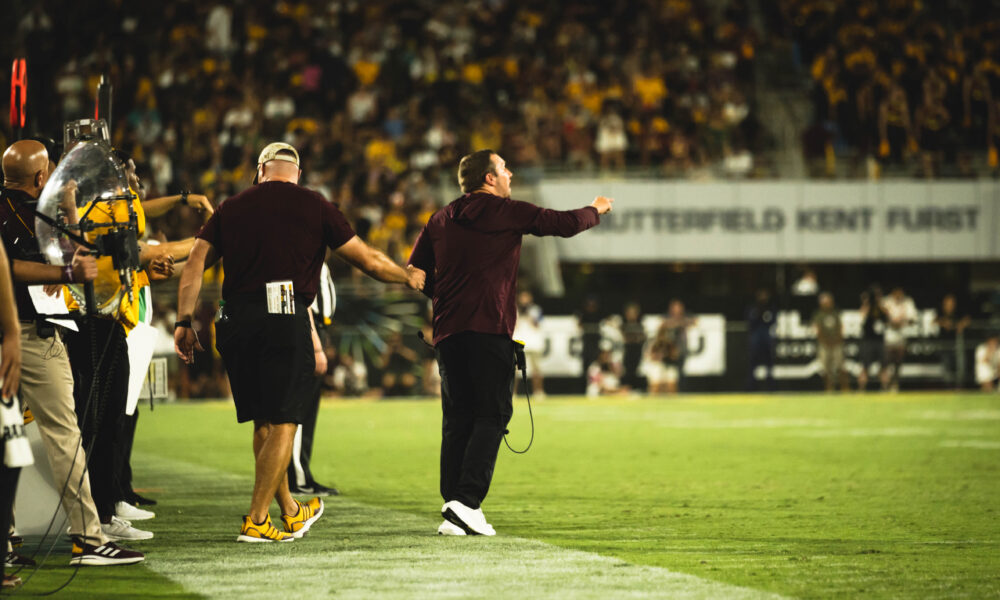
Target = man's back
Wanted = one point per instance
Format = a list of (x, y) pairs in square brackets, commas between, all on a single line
[(274, 231)]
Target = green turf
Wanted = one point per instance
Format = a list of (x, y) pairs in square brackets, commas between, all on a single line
[(807, 496)]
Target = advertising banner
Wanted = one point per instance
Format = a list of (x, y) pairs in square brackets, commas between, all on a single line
[(657, 221)]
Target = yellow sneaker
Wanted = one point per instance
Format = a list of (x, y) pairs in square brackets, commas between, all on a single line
[(298, 524), (264, 532)]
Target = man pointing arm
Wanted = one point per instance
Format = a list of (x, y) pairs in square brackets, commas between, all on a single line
[(470, 251)]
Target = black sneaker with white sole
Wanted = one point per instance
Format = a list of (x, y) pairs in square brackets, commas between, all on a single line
[(104, 555), (13, 560)]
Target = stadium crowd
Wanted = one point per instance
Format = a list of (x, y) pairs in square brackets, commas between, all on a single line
[(366, 90), (907, 85)]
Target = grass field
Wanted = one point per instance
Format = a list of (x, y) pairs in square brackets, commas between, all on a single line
[(712, 496)]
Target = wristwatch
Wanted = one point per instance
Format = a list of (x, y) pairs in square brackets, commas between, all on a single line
[(185, 323), (184, 197)]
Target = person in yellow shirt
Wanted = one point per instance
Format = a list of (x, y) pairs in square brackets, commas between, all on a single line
[(99, 356)]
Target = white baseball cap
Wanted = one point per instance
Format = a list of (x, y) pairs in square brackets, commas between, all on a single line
[(270, 152)]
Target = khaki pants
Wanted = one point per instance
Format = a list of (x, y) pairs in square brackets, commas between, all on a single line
[(47, 389)]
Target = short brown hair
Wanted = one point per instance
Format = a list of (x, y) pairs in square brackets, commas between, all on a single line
[(473, 168)]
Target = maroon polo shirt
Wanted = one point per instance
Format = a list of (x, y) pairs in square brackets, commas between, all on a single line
[(470, 251), (275, 231)]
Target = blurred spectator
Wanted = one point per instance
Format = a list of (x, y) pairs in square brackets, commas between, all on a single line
[(611, 140), (761, 318), (951, 326), (871, 347), (660, 363), (604, 374), (589, 321), (677, 322), (398, 367), (900, 312), (634, 338), (988, 363), (527, 329), (830, 342), (349, 377), (807, 284)]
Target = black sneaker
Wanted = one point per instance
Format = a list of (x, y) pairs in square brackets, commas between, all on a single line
[(322, 490), (103, 555), (137, 500), (313, 490), (13, 559)]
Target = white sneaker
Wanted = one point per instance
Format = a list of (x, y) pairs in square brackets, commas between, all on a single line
[(120, 530), (449, 528), (471, 521), (132, 513), (488, 526)]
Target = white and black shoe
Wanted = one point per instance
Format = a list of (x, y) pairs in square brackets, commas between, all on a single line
[(449, 528), (132, 513), (104, 555), (471, 521), (119, 530)]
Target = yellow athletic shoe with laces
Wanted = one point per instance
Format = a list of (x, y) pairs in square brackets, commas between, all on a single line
[(299, 523), (264, 532)]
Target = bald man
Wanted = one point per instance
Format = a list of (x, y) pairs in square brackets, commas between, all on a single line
[(46, 378), (273, 238)]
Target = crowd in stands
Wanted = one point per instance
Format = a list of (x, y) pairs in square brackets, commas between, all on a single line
[(368, 91), (900, 84)]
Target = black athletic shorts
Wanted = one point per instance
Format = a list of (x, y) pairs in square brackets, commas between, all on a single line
[(870, 352), (269, 359)]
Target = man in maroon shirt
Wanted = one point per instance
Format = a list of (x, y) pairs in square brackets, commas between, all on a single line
[(273, 239), (470, 251)]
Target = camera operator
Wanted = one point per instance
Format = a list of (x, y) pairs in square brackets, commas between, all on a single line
[(46, 376), (470, 251), (273, 239), (99, 357)]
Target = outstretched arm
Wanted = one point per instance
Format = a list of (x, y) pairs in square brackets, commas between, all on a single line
[(377, 265), (158, 207), (529, 218)]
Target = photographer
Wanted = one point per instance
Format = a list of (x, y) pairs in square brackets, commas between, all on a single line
[(470, 251), (46, 376)]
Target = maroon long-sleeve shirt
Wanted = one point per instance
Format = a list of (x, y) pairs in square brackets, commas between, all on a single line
[(470, 251)]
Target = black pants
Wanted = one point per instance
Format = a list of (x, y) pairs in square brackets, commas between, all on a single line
[(124, 479), (8, 489), (761, 354), (477, 389), (299, 473), (101, 413)]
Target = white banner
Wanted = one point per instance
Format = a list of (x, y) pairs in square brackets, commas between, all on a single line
[(655, 221), (562, 345)]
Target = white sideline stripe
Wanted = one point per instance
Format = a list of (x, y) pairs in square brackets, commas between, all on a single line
[(413, 562), (980, 444)]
